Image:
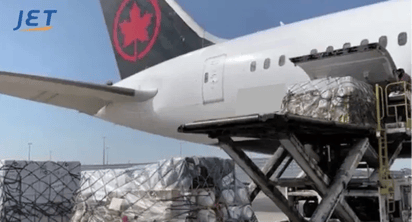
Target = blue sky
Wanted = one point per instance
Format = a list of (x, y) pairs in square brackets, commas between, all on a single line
[(78, 48)]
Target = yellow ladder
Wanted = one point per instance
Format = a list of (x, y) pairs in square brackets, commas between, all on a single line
[(385, 180)]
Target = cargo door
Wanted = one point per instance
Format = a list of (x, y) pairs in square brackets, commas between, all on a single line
[(369, 63), (213, 79)]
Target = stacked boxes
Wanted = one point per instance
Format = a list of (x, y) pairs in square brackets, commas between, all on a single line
[(37, 191), (179, 189), (342, 99)]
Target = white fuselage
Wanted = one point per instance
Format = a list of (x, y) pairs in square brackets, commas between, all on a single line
[(183, 96)]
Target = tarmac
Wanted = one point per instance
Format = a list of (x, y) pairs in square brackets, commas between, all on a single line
[(266, 210)]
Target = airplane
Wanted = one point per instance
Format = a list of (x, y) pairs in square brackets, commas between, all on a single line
[(174, 72)]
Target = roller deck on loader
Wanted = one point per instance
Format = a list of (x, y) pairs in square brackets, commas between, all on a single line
[(329, 153)]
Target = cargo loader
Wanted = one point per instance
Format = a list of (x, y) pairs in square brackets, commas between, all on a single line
[(353, 110)]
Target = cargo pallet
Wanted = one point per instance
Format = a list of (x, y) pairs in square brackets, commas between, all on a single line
[(328, 152)]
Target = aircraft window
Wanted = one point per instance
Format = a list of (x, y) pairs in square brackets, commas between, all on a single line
[(266, 65), (402, 38), (346, 45), (253, 66), (282, 60), (313, 51), (206, 77), (364, 42), (329, 49), (383, 41)]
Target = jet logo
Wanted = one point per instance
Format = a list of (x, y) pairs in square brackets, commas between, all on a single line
[(136, 26), (32, 16)]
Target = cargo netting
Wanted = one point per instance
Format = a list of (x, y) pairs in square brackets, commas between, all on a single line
[(342, 99), (178, 189), (34, 191)]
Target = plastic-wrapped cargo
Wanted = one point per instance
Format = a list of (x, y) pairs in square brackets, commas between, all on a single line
[(32, 191), (178, 189), (342, 99)]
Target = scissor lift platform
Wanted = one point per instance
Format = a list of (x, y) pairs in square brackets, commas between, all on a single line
[(295, 137), (269, 125)]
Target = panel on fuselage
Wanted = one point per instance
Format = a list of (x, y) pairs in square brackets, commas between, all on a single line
[(213, 79)]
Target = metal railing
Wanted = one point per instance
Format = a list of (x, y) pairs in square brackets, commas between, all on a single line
[(400, 93)]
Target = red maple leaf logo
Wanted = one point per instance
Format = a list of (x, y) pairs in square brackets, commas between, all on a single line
[(136, 28)]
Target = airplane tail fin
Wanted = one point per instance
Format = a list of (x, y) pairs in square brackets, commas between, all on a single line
[(147, 32)]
